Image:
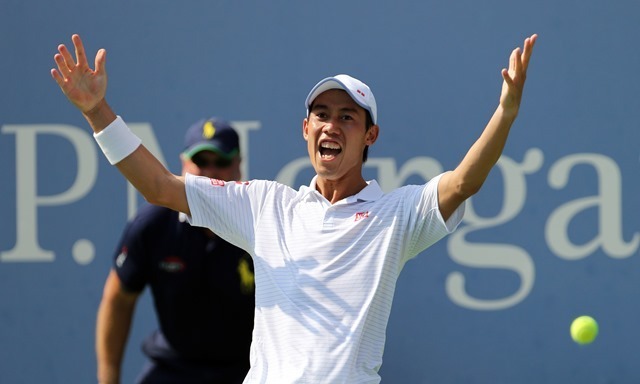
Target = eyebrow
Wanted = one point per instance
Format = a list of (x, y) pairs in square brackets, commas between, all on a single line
[(315, 107)]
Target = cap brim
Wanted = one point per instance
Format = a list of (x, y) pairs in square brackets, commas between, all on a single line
[(189, 153)]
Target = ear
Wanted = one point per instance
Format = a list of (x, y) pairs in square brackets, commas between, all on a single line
[(305, 129), (372, 135)]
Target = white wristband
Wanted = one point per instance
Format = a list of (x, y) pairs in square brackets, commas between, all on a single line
[(117, 141)]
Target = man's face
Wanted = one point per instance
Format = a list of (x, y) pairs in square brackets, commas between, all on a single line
[(336, 135), (211, 164)]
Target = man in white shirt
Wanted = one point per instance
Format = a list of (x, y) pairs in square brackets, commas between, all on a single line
[(327, 256)]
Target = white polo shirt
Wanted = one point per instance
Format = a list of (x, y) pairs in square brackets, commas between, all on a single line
[(325, 274)]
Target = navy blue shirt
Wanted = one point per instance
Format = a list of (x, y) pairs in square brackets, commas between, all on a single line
[(202, 288)]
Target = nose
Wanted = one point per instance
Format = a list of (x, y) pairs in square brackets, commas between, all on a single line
[(331, 126)]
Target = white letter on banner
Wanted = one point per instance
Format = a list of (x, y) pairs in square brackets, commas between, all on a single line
[(388, 177), (497, 256), (608, 202), (288, 173), (27, 248)]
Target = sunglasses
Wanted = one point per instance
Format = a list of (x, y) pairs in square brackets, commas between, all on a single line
[(202, 161)]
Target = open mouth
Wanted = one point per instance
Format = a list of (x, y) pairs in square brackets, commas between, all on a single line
[(329, 150)]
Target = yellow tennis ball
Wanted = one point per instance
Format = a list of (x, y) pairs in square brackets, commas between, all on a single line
[(584, 330)]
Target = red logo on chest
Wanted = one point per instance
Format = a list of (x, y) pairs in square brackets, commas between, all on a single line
[(172, 264), (361, 215)]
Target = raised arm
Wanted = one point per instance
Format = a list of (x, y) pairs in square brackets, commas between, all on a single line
[(460, 184), (86, 88)]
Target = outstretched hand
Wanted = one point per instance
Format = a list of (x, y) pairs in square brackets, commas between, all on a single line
[(515, 76), (84, 87)]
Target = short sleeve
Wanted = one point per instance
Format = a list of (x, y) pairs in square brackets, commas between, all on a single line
[(131, 260), (429, 225)]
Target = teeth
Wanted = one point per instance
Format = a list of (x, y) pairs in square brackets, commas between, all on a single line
[(330, 145)]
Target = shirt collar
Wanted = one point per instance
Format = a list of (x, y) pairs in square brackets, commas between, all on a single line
[(371, 192)]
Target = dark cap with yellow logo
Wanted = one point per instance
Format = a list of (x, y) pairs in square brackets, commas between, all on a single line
[(211, 134)]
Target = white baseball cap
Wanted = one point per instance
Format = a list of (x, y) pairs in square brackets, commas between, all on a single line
[(359, 92)]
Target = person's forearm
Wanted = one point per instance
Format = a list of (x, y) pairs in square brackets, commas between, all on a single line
[(154, 181), (486, 151), (111, 338), (112, 332), (125, 150), (113, 323)]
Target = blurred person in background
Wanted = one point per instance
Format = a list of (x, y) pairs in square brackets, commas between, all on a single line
[(202, 286)]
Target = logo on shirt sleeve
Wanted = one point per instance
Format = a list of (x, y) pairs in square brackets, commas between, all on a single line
[(121, 257)]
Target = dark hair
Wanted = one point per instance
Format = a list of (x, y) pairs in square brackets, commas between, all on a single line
[(368, 124)]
